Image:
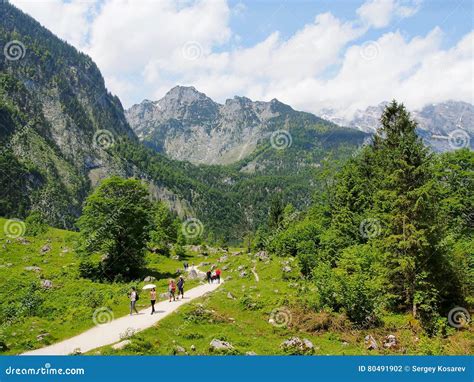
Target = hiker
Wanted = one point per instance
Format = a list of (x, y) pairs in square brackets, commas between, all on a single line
[(208, 276), (153, 300), (133, 300), (172, 290), (181, 287), (218, 275), (185, 265)]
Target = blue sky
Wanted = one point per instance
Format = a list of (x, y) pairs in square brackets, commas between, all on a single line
[(313, 55)]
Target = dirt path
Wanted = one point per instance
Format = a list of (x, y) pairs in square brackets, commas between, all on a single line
[(109, 333)]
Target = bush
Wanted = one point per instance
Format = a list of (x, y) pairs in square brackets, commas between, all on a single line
[(35, 224)]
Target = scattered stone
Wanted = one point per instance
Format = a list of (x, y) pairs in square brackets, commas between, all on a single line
[(179, 350), (287, 269), (149, 279), (236, 253), (23, 241), (223, 258), (121, 344), (370, 343), (46, 284), (40, 337), (250, 353), (219, 345), (230, 296), (32, 268), (296, 345), (204, 264), (193, 348), (262, 256), (46, 248), (240, 268), (243, 274), (192, 274), (390, 341), (345, 343), (225, 267)]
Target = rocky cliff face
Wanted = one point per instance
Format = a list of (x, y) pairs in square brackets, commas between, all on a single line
[(445, 126), (188, 125)]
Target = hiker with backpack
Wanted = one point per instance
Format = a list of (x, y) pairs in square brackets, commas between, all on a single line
[(181, 287), (172, 290), (208, 276), (133, 295), (218, 275)]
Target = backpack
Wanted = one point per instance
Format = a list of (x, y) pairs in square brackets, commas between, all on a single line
[(136, 296)]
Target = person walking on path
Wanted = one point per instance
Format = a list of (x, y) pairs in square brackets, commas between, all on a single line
[(133, 300), (208, 276), (181, 287), (172, 290), (218, 275), (153, 300)]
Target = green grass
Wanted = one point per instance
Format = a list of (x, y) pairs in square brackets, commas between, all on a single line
[(67, 309), (244, 321)]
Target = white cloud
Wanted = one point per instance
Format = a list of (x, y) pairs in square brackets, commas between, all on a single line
[(67, 20), (145, 48), (379, 13)]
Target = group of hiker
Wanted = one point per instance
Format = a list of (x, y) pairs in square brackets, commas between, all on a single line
[(212, 276), (173, 285)]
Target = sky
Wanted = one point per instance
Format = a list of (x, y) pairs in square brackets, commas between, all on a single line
[(313, 55)]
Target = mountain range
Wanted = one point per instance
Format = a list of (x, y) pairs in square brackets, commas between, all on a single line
[(61, 132), (437, 123)]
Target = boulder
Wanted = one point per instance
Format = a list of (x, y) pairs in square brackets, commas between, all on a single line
[(192, 274), (390, 341), (262, 256), (219, 345), (45, 249), (121, 344), (370, 342), (296, 345), (33, 268), (179, 350), (46, 284), (243, 274), (193, 348), (286, 269), (40, 337), (149, 279)]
